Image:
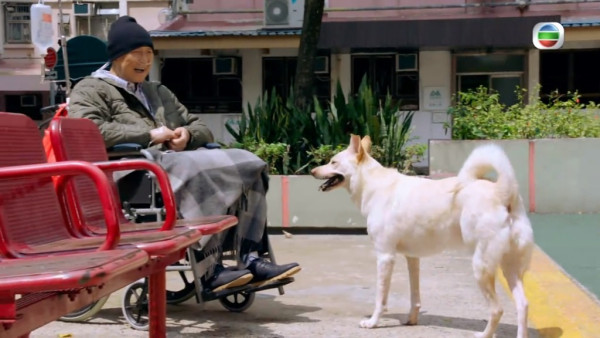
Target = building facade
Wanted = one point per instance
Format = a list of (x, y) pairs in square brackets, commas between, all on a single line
[(218, 56), (221, 55), (23, 85)]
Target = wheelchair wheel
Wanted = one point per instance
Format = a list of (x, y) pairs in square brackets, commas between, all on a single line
[(238, 301), (135, 306), (180, 289), (85, 312)]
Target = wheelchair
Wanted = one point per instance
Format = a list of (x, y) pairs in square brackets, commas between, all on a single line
[(141, 203), (144, 204)]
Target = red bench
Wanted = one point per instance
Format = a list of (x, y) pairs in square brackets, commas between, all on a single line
[(44, 272), (80, 139), (164, 247)]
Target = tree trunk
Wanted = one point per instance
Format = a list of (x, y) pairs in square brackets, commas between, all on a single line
[(311, 30)]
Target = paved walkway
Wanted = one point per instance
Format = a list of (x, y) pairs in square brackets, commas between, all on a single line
[(335, 290)]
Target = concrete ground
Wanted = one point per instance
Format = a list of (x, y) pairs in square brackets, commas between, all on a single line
[(335, 290)]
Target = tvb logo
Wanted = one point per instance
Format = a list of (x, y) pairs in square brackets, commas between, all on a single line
[(548, 35)]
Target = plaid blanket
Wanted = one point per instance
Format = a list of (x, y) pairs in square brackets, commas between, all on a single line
[(221, 181)]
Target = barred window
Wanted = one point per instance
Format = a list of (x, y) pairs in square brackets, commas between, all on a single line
[(16, 20), (388, 72)]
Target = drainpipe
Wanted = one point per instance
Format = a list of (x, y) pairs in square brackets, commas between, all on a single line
[(63, 45)]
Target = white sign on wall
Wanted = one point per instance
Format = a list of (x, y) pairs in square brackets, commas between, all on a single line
[(435, 98)]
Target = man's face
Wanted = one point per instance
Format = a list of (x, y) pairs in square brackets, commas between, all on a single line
[(135, 65)]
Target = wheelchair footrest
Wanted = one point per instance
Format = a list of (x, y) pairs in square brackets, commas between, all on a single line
[(208, 295), (276, 284)]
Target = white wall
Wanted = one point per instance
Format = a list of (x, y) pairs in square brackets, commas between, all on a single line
[(533, 73), (341, 68), (435, 74), (251, 76)]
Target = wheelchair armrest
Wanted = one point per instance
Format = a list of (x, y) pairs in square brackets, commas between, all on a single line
[(124, 150), (212, 145)]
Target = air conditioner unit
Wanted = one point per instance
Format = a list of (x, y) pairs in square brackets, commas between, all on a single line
[(28, 100), (283, 13), (83, 9), (224, 66), (321, 65), (407, 62)]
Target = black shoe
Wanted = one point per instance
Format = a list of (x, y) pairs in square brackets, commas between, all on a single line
[(265, 272), (227, 278)]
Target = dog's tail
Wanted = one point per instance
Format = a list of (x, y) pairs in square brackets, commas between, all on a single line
[(485, 159), (478, 165)]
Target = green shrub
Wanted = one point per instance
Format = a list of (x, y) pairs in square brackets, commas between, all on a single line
[(478, 114), (312, 136)]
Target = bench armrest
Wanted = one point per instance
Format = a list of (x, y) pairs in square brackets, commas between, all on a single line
[(161, 176)]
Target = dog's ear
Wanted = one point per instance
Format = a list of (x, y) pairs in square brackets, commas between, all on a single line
[(365, 143), (354, 143), (364, 149)]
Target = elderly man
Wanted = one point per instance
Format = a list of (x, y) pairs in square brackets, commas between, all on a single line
[(129, 109)]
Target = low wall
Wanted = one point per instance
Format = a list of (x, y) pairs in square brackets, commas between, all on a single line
[(554, 175), (295, 201)]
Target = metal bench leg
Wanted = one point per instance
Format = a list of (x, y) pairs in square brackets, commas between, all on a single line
[(157, 309)]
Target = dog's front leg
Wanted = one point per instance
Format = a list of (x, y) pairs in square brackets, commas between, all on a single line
[(385, 265), (415, 295)]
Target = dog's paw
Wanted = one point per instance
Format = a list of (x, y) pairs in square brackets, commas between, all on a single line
[(481, 335), (368, 323), (410, 322)]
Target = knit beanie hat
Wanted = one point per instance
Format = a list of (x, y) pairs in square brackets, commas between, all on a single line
[(125, 35)]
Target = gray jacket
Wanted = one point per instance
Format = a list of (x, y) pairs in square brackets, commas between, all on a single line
[(123, 118)]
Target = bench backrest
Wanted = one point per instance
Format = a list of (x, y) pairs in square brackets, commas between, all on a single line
[(30, 212), (80, 139)]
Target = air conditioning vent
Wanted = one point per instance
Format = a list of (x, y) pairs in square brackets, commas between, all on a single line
[(224, 66), (83, 9), (321, 65), (277, 12), (28, 100), (407, 62), (283, 13)]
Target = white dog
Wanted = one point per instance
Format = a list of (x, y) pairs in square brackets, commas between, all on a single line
[(419, 217)]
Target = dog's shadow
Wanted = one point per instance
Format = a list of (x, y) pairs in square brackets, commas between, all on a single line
[(475, 325)]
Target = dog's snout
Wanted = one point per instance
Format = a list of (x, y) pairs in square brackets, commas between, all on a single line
[(313, 171)]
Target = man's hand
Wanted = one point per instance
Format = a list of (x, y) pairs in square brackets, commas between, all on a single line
[(161, 135), (181, 139)]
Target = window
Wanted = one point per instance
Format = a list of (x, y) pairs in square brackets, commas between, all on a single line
[(500, 72), (16, 21), (196, 85), (95, 18), (278, 73), (25, 103), (393, 73), (570, 71), (65, 27)]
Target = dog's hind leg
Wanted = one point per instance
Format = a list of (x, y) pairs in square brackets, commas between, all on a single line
[(385, 265), (514, 278), (415, 295), (484, 268)]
